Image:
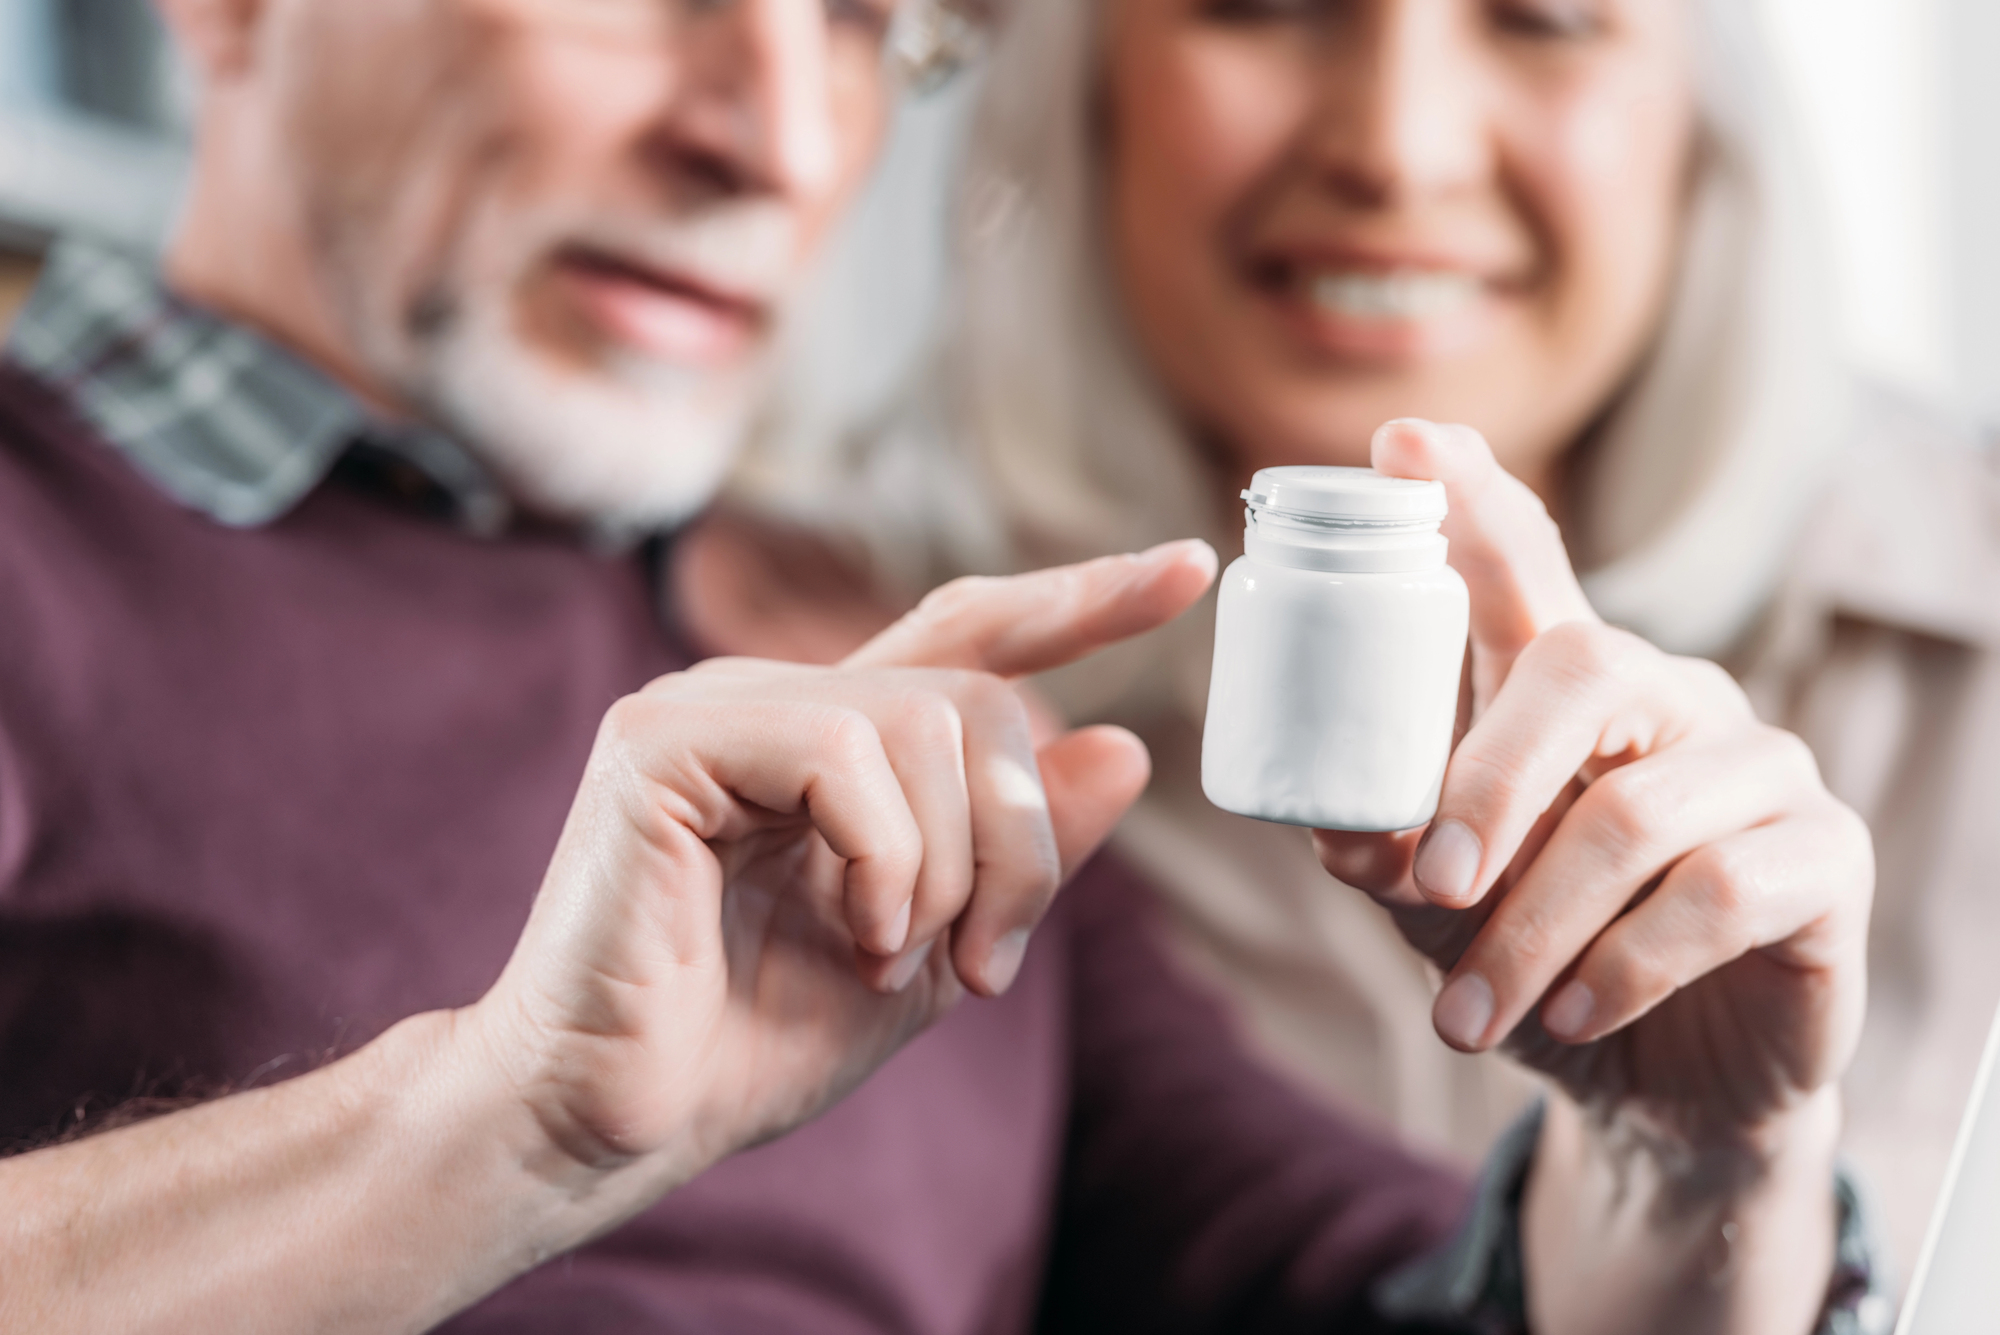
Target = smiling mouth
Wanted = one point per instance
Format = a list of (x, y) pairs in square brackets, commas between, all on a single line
[(1382, 311), (1399, 296), (666, 315)]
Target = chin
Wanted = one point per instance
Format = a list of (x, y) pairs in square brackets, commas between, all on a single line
[(617, 443), (1294, 427)]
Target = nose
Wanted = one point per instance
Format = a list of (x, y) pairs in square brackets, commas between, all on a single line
[(1400, 115), (758, 104)]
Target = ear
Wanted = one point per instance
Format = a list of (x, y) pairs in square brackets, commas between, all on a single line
[(217, 36)]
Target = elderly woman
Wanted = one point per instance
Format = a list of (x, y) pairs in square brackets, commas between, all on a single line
[(1199, 237)]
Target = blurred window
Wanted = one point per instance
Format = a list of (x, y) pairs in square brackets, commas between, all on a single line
[(94, 110)]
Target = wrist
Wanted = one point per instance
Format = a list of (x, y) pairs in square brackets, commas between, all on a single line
[(1733, 1230), (508, 1195), (385, 1191), (541, 1099), (1701, 1166)]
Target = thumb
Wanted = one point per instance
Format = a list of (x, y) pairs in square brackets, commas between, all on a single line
[(1503, 542), (1092, 777), (1020, 624)]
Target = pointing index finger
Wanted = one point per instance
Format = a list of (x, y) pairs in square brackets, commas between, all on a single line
[(1016, 625)]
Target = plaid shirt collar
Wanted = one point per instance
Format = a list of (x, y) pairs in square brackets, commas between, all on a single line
[(220, 418)]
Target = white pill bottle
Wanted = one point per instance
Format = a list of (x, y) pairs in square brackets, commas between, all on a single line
[(1339, 639)]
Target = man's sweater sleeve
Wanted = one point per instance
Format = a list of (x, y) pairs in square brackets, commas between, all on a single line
[(1200, 1192)]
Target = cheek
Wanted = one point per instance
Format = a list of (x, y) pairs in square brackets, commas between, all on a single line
[(1197, 122), (566, 116), (594, 120), (385, 159), (1610, 171), (1192, 125)]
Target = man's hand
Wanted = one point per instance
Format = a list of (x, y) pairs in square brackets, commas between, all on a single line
[(1633, 886), (772, 877), (775, 875)]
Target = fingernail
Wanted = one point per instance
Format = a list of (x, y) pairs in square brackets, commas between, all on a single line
[(898, 932), (1205, 554), (1198, 547), (1448, 861), (1463, 1011), (907, 968), (1570, 1011), (1394, 424), (1004, 963)]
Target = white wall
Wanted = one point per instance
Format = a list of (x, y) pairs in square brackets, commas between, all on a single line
[(1974, 70), (1867, 77), (1901, 108)]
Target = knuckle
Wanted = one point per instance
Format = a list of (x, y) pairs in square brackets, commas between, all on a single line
[(895, 849), (1546, 935), (930, 722), (1570, 642), (1852, 829), (848, 737), (1483, 781), (672, 684), (720, 665), (625, 715), (1790, 753), (632, 718), (1732, 885), (1587, 656), (1629, 980), (1527, 512), (1645, 978), (1852, 845), (1535, 513), (1604, 651), (1626, 808), (902, 855), (1031, 875), (1714, 682), (983, 691), (1517, 943)]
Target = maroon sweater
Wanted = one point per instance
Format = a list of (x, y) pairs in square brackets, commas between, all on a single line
[(263, 793)]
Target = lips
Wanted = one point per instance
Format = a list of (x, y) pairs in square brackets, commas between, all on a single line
[(665, 315)]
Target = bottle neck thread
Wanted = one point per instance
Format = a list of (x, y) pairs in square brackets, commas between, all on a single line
[(1354, 546)]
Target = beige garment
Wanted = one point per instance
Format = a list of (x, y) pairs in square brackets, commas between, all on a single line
[(1883, 652), (1880, 649)]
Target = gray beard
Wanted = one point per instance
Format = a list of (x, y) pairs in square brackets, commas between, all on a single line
[(629, 448)]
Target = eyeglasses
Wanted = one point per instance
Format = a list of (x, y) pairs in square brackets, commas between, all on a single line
[(933, 40), (923, 43)]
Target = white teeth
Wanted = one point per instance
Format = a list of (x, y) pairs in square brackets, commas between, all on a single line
[(1402, 295)]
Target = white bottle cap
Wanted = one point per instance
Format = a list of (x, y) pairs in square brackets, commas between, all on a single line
[(1355, 495)]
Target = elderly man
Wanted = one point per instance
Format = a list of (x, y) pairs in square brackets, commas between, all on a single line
[(355, 961)]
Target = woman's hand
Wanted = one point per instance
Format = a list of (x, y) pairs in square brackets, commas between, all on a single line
[(774, 875), (1631, 884)]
